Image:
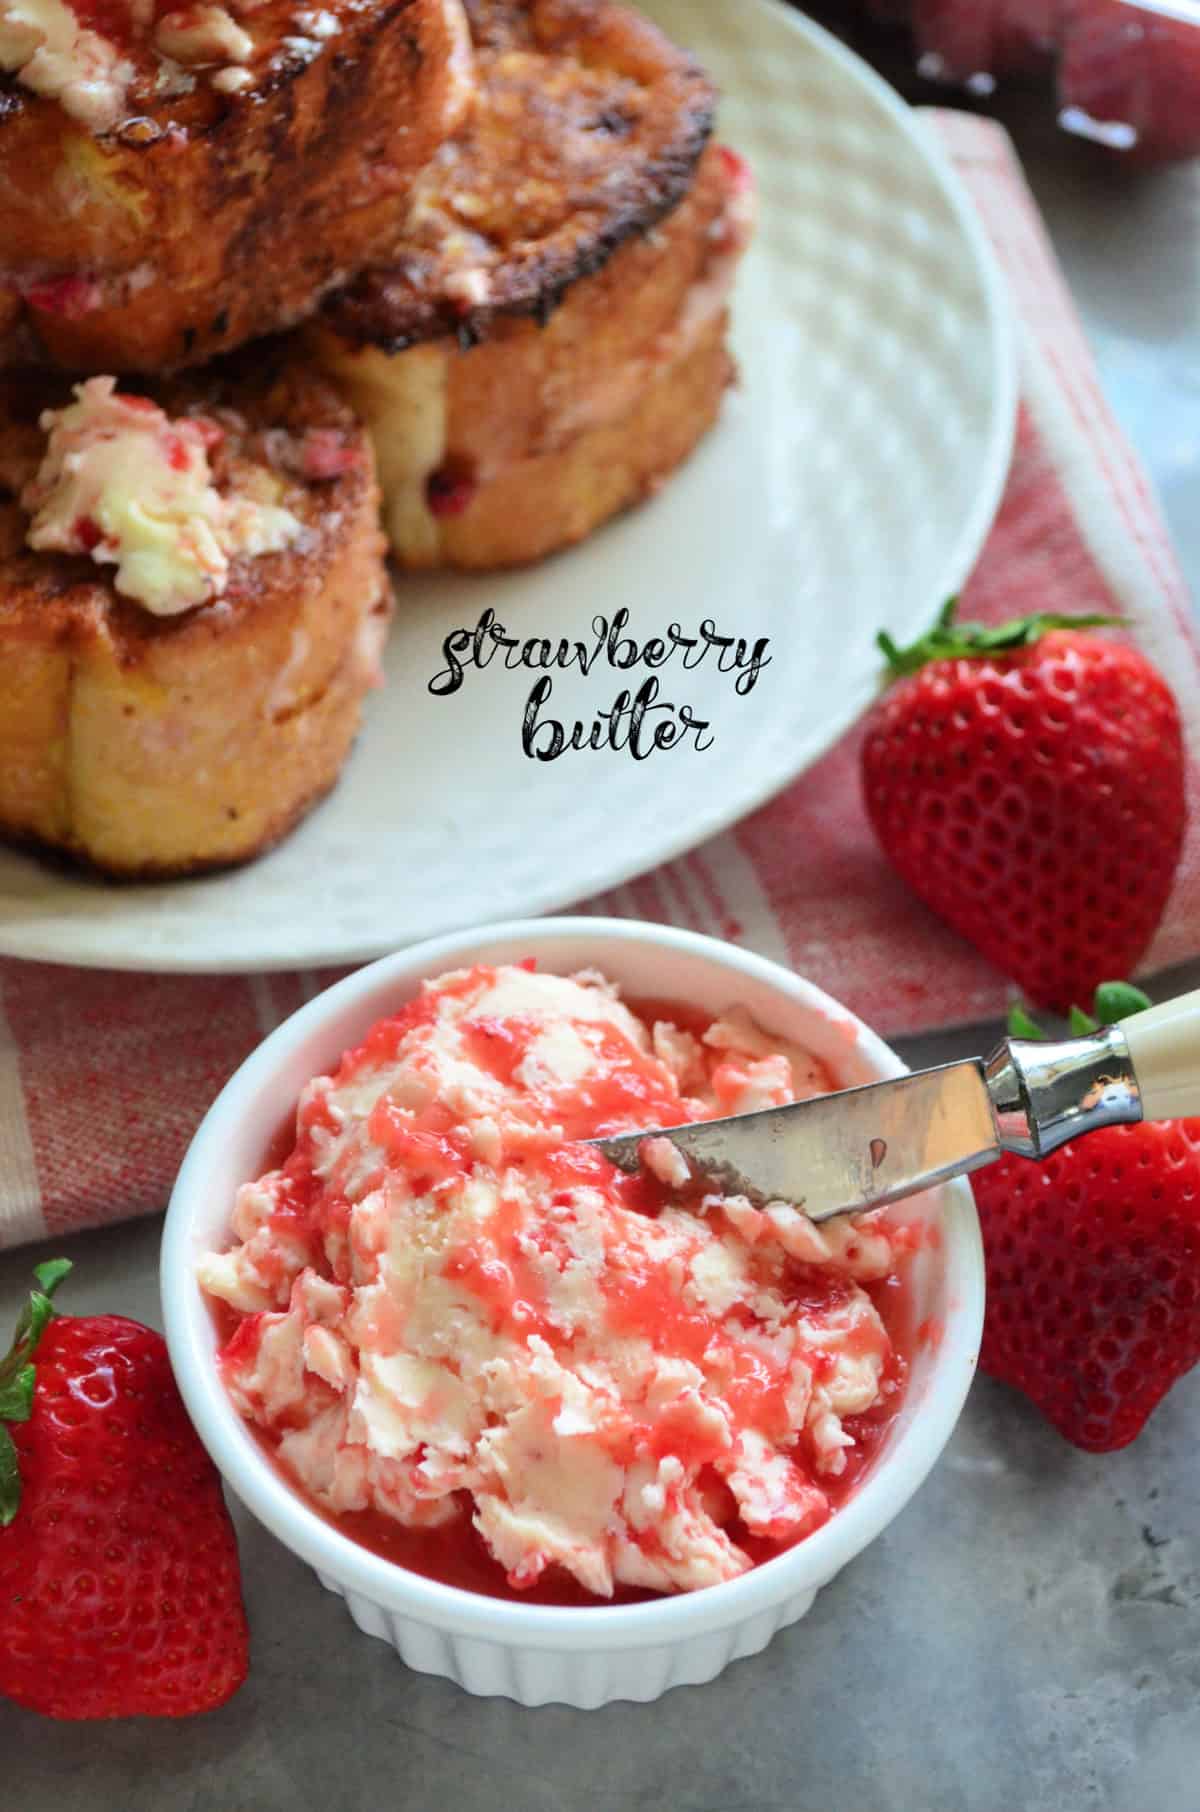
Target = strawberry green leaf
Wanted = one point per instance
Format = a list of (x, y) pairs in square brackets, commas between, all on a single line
[(51, 1274), (31, 1324), (18, 1377), (36, 1314), (949, 640), (1119, 1000), (16, 1396), (1021, 1025), (10, 1479), (30, 1328), (1082, 1024)]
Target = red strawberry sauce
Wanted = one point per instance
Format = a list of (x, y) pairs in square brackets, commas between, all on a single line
[(455, 1555), (72, 296), (640, 1303)]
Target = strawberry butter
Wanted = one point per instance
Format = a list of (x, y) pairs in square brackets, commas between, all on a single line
[(122, 482), (476, 1345)]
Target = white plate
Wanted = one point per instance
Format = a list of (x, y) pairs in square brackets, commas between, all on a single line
[(850, 484)]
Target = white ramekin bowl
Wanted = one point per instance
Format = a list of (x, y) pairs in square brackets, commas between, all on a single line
[(534, 1653)]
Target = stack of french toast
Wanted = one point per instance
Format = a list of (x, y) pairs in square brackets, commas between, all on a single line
[(287, 291)]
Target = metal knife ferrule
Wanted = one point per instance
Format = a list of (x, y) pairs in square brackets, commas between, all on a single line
[(884, 1141), (1045, 1094)]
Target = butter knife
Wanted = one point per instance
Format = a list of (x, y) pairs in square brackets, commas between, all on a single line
[(863, 1147)]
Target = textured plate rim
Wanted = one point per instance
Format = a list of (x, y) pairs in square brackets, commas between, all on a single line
[(31, 943)]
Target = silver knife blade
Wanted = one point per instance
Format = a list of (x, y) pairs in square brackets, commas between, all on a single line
[(835, 1154)]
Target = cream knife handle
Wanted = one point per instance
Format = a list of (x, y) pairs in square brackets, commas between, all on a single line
[(1164, 1043)]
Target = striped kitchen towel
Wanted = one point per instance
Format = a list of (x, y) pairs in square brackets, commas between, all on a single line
[(103, 1077)]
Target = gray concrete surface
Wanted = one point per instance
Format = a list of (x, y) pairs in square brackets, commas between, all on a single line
[(1026, 1636)]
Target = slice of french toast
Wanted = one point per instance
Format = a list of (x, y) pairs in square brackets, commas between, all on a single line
[(174, 182), (549, 344), (160, 741)]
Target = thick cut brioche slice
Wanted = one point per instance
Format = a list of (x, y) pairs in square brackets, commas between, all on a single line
[(525, 367), (221, 190), (543, 502), (149, 745)]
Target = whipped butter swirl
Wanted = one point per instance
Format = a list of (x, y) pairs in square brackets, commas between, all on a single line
[(452, 1313), (128, 485)]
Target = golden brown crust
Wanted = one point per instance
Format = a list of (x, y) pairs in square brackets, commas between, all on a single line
[(550, 430), (209, 218), (586, 131), (149, 745)]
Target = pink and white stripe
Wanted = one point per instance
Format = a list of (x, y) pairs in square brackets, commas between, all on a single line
[(800, 881)]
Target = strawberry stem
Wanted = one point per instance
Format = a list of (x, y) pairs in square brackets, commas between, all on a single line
[(1119, 1000), (1115, 1000), (1022, 1025), (950, 640), (18, 1375)]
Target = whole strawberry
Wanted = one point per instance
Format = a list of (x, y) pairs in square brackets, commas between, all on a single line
[(1130, 76), (120, 1592), (1028, 783), (1093, 1268)]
